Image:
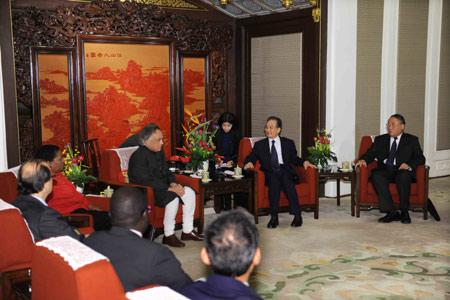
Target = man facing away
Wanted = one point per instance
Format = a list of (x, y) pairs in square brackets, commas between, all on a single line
[(35, 184), (398, 154), (138, 262), (147, 166), (231, 249), (277, 155)]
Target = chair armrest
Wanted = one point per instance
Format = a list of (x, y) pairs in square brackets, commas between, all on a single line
[(99, 201), (422, 182), (148, 190), (79, 220), (184, 180)]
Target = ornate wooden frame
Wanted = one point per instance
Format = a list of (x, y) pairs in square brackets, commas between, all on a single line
[(82, 39), (59, 28), (35, 86)]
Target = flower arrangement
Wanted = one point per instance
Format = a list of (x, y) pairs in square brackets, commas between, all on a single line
[(321, 153), (198, 142), (74, 169)]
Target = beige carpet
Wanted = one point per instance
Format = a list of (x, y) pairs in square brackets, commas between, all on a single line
[(343, 257)]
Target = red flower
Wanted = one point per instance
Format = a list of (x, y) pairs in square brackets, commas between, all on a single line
[(80, 158), (185, 160), (74, 160), (174, 158)]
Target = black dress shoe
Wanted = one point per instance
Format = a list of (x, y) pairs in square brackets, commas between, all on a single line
[(273, 223), (405, 219), (297, 222), (390, 217)]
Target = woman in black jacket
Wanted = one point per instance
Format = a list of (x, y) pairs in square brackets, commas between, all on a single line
[(227, 144), (227, 139)]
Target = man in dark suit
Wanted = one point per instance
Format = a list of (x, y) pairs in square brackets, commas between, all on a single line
[(398, 154), (232, 251), (35, 184), (137, 261), (147, 166), (277, 155)]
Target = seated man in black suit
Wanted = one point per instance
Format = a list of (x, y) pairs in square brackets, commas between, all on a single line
[(398, 154), (138, 262), (232, 251), (277, 155), (35, 184), (147, 166)]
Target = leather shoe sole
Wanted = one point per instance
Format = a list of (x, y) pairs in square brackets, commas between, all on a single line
[(192, 236), (172, 241)]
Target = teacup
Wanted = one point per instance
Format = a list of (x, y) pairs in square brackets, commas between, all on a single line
[(237, 171), (346, 165)]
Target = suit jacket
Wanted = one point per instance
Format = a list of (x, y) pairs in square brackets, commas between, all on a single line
[(261, 153), (44, 222), (219, 287), (233, 144), (138, 262), (150, 168), (408, 151)]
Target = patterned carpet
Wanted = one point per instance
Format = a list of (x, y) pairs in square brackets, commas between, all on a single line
[(343, 257)]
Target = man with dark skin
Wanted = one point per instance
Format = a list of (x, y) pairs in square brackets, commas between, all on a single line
[(138, 262)]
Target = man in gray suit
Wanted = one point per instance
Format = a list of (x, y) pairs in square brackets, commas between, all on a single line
[(35, 184), (137, 261)]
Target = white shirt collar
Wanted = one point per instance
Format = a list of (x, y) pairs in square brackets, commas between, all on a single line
[(277, 139), (137, 232), (35, 196), (398, 137)]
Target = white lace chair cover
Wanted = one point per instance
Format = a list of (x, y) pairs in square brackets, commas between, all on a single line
[(72, 251), (5, 206), (156, 293), (14, 170), (253, 140), (124, 156)]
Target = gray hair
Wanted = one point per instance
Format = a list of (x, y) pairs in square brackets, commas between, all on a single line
[(147, 132)]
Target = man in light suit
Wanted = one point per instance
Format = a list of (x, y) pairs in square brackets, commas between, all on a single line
[(277, 155), (138, 262), (231, 249), (35, 184), (398, 154)]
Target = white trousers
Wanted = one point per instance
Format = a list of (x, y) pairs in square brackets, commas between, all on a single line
[(188, 212)]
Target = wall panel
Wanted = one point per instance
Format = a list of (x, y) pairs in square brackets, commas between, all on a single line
[(443, 115), (412, 47), (368, 68), (276, 83)]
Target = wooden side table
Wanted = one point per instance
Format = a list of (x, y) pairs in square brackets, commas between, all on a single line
[(230, 186), (334, 174)]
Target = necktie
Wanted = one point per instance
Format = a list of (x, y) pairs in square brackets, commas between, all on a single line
[(274, 158), (391, 157)]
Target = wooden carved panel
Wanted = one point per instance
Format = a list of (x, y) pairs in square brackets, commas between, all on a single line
[(60, 27)]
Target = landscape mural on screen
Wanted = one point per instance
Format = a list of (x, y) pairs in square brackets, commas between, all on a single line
[(127, 87), (194, 86), (54, 98)]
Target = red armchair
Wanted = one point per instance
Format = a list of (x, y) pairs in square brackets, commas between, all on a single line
[(307, 189), (77, 273), (113, 171), (16, 243), (83, 222), (366, 196)]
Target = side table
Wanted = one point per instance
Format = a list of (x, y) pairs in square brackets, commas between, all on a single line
[(230, 186), (337, 175)]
